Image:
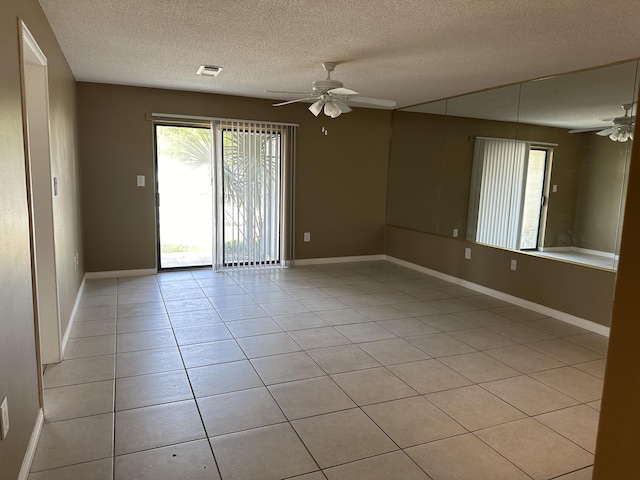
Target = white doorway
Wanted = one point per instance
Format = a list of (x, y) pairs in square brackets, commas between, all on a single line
[(41, 187)]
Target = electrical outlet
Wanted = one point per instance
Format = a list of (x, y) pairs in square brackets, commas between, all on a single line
[(455, 232), (467, 253), (554, 189), (4, 419), (307, 236), (514, 265), (140, 180)]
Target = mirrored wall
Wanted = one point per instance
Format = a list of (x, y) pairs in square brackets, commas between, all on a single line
[(538, 167)]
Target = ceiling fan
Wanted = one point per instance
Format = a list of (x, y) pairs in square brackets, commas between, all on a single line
[(330, 96), (621, 128)]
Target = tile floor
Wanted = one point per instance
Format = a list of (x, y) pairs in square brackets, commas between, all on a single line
[(330, 372)]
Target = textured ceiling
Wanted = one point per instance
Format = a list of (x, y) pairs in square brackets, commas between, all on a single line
[(410, 51)]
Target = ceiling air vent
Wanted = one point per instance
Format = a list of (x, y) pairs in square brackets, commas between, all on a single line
[(209, 70)]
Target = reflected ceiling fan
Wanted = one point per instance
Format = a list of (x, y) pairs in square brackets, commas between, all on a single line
[(621, 128), (330, 96)]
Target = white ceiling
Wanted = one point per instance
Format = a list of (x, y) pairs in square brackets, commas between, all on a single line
[(410, 51)]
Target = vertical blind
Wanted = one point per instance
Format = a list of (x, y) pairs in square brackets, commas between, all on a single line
[(499, 168), (253, 205)]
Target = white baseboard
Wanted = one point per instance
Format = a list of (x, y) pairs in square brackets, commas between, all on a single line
[(122, 273), (536, 307), (322, 261), (76, 305), (31, 448)]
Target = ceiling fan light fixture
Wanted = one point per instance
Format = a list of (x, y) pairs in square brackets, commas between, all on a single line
[(316, 107), (331, 109)]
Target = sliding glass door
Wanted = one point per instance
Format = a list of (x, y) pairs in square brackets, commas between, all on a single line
[(183, 155)]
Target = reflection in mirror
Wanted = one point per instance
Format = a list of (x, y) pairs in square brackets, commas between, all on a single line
[(538, 167), (589, 116)]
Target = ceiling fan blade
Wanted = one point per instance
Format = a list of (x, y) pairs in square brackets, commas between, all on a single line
[(372, 101), (295, 101), (342, 105), (584, 130), (342, 91), (290, 93), (607, 132)]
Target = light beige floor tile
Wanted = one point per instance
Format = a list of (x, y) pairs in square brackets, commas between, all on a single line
[(376, 287), (536, 449), (267, 453), (157, 426), (564, 351), (319, 338), (464, 458), (228, 301), (192, 460), (265, 345), (74, 441), (91, 290), (485, 301), (583, 474), (362, 300), (284, 308), (153, 389), (394, 297), (94, 314), (314, 396), (412, 421), (135, 341), (237, 411), (81, 370), (148, 361), (308, 293), (340, 437), (519, 314), (529, 395), (364, 332), (383, 467), (592, 341), (151, 296), (223, 378), (407, 327), (143, 324), (373, 385), (482, 338), (253, 326), (392, 351), (319, 304), (342, 317), (453, 305), (429, 376), (579, 424), (419, 309), (286, 368), (170, 295), (98, 301), (447, 322), (425, 294), (555, 327), (187, 305), (310, 476), (300, 321), (483, 318), (201, 354), (96, 470), (345, 358), (479, 367), (572, 382), (82, 400), (521, 333), (524, 359), (93, 329), (140, 309), (595, 367), (215, 291), (211, 332), (457, 291), (139, 288), (440, 345), (474, 408), (595, 405), (382, 312), (191, 319), (90, 347)]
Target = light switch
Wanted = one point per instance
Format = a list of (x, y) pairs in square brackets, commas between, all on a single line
[(307, 236), (140, 181), (554, 189)]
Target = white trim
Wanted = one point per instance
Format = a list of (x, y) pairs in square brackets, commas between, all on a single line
[(322, 261), (172, 116), (557, 314), (31, 448), (121, 273), (72, 319)]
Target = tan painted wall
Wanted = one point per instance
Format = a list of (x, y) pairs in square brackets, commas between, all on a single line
[(618, 445), (18, 364), (340, 177)]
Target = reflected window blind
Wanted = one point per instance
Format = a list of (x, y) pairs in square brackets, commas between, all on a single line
[(499, 171), (253, 208)]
